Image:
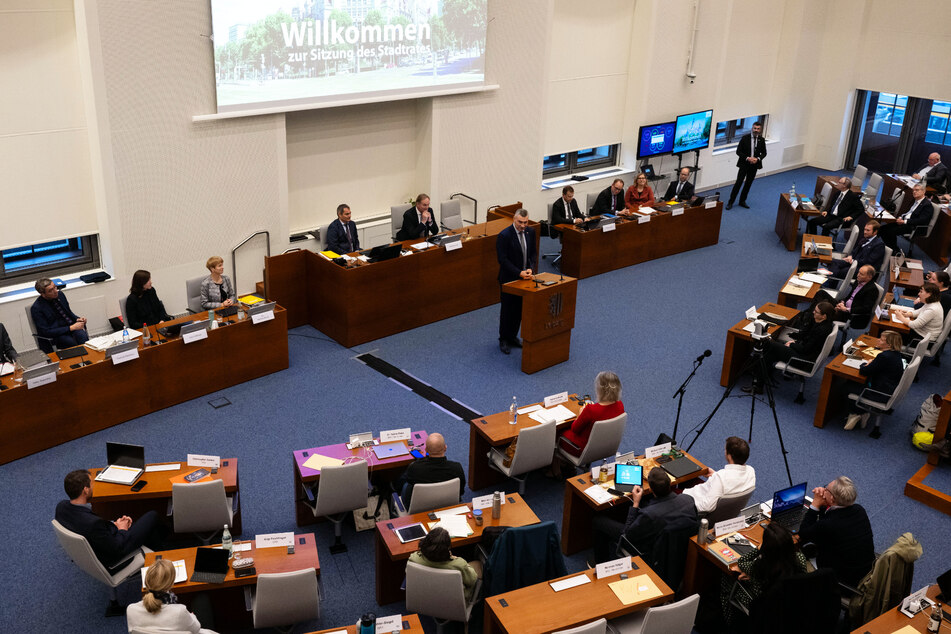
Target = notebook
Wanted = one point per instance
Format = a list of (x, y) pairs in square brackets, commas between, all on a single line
[(788, 507), (211, 565), (680, 467)]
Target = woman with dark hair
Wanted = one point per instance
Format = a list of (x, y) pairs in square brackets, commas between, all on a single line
[(434, 552), (159, 610), (775, 559), (143, 305), (803, 344), (925, 322)]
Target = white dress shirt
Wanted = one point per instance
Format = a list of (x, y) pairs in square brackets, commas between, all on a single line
[(730, 480)]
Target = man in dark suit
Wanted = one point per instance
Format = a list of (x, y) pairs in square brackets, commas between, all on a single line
[(53, 318), (665, 511), (681, 189), (419, 221), (112, 542), (919, 214), (609, 201), (342, 233), (859, 304), (434, 468), (751, 152), (870, 250), (934, 174), (515, 248), (840, 530), (7, 352), (565, 210), (846, 207)]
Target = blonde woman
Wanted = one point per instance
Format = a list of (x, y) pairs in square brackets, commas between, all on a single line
[(639, 194), (159, 611), (217, 291), (881, 375)]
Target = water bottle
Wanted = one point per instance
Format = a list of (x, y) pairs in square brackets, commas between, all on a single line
[(934, 622), (496, 505), (367, 624), (125, 334), (702, 534), (226, 541), (211, 319), (792, 191), (146, 337), (513, 411)]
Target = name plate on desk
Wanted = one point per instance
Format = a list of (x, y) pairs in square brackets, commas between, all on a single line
[(555, 399), (730, 526), (451, 245), (615, 567), (643, 219), (273, 540), (393, 435), (387, 624), (125, 355), (194, 335), (607, 227), (484, 501), (677, 212), (656, 450), (710, 205), (260, 318), (43, 379), (198, 460)]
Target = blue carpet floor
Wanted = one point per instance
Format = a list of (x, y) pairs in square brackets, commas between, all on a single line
[(647, 323)]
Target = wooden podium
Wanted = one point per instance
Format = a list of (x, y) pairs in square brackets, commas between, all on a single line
[(548, 315)]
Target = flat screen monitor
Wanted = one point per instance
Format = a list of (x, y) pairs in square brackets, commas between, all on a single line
[(693, 131), (655, 139)]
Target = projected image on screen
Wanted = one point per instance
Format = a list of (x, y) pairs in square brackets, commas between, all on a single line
[(290, 53), (655, 139), (693, 131)]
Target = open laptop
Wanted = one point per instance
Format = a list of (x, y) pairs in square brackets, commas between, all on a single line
[(626, 476), (387, 252), (126, 463), (211, 565), (390, 450), (789, 507)]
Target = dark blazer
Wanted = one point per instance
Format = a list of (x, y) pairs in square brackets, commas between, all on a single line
[(603, 203), (337, 238), (884, 371), (850, 207), (413, 228), (843, 539), (745, 150), (921, 215), (863, 304), (936, 177), (686, 193), (869, 252), (431, 470), (107, 541), (509, 253), (808, 342), (48, 321), (147, 309), (645, 524), (7, 352), (561, 216)]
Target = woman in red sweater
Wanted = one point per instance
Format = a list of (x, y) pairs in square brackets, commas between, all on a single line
[(607, 389), (639, 194)]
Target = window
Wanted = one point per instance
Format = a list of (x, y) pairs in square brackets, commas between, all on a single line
[(938, 123), (730, 132), (890, 113), (48, 259), (586, 159)]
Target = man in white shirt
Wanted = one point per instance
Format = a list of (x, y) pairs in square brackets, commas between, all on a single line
[(736, 477)]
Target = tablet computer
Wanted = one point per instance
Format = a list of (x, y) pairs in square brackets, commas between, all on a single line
[(410, 533)]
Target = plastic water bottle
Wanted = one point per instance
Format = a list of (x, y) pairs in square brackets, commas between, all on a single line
[(226, 541), (513, 411), (792, 191), (125, 334), (211, 319), (146, 337)]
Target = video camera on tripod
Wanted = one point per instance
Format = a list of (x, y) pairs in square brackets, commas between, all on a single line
[(760, 335)]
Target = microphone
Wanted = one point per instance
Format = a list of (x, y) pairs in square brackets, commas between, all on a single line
[(706, 353)]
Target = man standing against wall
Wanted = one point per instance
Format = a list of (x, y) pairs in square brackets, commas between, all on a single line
[(752, 151)]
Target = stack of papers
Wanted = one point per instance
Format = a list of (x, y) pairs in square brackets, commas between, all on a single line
[(558, 414), (598, 494), (180, 572), (801, 281), (813, 278), (99, 344), (455, 525), (421, 246)]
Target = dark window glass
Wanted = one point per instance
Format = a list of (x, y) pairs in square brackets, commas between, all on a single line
[(49, 259), (586, 159)]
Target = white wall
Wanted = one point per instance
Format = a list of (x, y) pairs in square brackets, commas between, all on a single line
[(168, 192)]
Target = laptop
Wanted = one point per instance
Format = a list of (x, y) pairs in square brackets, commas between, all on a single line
[(126, 463), (681, 467), (383, 253), (390, 450), (32, 358), (788, 507), (626, 476), (211, 565), (69, 353)]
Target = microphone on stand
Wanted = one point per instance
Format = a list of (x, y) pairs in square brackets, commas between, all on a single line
[(706, 353)]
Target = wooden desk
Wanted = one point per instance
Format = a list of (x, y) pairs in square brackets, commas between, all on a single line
[(548, 315), (909, 279), (877, 326), (496, 431), (306, 479), (391, 554), (703, 569), (538, 609), (98, 396), (893, 620), (228, 596), (889, 186), (115, 500), (915, 488), (588, 253), (787, 220), (739, 343), (411, 625), (835, 376), (824, 255), (579, 509), (791, 300)]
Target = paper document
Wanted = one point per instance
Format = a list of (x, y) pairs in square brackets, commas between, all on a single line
[(914, 266), (455, 525), (6, 368), (570, 582), (119, 475), (812, 277), (318, 462), (180, 573), (635, 590), (894, 319), (453, 512), (598, 494), (175, 466), (528, 409), (99, 344), (750, 328), (854, 363), (801, 281), (421, 246), (241, 546), (824, 246), (559, 413), (792, 289)]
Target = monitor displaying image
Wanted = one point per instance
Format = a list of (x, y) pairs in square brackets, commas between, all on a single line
[(655, 139), (693, 131)]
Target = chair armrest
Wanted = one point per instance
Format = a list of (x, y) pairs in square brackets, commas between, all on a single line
[(738, 585), (870, 391), (249, 598), (235, 501), (626, 548), (565, 440)]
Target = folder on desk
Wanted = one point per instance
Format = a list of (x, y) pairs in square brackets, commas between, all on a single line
[(635, 590), (318, 462)]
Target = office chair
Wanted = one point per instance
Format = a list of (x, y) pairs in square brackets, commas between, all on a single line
[(594, 627), (874, 184), (122, 311), (729, 506), (43, 343), (202, 507), (552, 230), (864, 400), (193, 294), (673, 618), (922, 231), (438, 593), (807, 369), (341, 489), (396, 218), (534, 450), (284, 599), (426, 497), (450, 214), (859, 176), (322, 232), (604, 440)]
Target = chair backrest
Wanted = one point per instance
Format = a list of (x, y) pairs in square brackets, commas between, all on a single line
[(886, 262), (874, 184), (899, 201), (906, 379), (550, 205), (934, 219), (921, 349), (589, 199), (826, 194), (322, 232), (523, 556), (673, 618), (125, 319), (594, 627), (79, 550), (604, 440), (535, 448), (285, 598), (846, 281), (396, 218), (935, 345), (668, 555), (342, 488), (826, 348), (859, 176), (43, 343), (450, 213), (729, 506), (435, 592), (427, 497), (193, 293), (853, 239), (200, 506)]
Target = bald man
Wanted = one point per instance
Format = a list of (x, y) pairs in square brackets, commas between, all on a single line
[(435, 467), (934, 173)]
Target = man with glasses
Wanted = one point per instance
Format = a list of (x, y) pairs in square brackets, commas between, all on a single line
[(54, 319), (610, 200), (680, 190), (845, 208)]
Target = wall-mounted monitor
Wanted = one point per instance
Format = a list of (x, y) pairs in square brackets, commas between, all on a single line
[(655, 139), (693, 131)]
